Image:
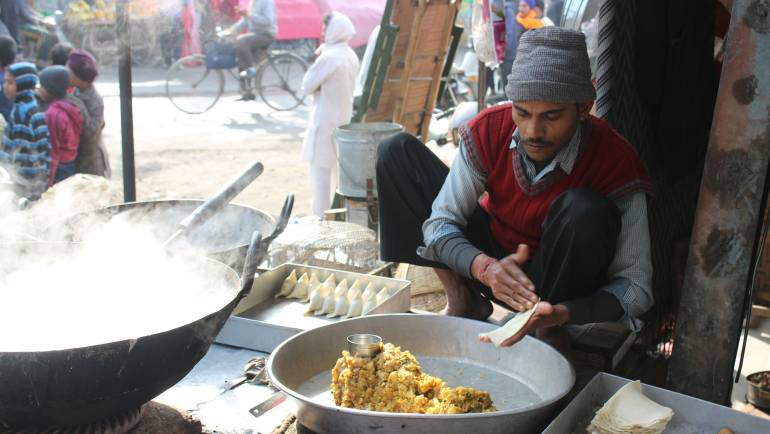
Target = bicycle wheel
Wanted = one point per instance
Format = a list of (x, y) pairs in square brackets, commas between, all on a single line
[(191, 86), (280, 81)]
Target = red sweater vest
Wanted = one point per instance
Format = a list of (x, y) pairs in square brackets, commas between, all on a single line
[(606, 163)]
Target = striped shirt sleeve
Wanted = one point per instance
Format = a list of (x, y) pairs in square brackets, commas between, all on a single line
[(443, 234), (630, 272)]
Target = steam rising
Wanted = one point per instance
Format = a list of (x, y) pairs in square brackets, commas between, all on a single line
[(117, 284)]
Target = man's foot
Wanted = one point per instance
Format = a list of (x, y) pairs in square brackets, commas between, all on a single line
[(461, 300), (479, 310), (247, 97)]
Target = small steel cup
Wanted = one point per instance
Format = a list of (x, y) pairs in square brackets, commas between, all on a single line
[(364, 345)]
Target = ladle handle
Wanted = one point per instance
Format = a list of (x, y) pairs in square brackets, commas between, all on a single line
[(254, 256), (211, 206)]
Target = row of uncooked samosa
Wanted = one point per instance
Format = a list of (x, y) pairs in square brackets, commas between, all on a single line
[(330, 298)]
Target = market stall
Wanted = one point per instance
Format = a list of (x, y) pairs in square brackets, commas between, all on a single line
[(317, 324)]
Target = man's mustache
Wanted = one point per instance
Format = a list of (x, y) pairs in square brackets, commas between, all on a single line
[(536, 141)]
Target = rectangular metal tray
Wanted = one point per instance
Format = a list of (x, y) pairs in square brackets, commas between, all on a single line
[(691, 415), (261, 322)]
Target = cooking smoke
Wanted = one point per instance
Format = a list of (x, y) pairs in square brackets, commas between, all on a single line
[(117, 283)]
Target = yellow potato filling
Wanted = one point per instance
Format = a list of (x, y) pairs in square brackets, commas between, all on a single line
[(393, 381)]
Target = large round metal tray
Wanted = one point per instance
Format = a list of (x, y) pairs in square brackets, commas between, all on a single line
[(525, 381)]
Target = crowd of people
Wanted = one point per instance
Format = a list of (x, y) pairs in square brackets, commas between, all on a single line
[(52, 120)]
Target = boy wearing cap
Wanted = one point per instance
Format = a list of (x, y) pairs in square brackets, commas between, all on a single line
[(92, 155), (64, 120), (544, 202), (25, 145)]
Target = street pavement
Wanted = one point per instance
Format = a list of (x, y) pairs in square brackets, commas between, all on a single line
[(192, 156)]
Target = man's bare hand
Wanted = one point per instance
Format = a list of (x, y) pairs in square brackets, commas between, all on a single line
[(505, 277), (546, 315)]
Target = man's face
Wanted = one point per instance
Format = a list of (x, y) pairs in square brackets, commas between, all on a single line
[(547, 127), (524, 8), (9, 86)]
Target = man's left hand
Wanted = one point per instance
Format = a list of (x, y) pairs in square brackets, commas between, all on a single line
[(546, 315)]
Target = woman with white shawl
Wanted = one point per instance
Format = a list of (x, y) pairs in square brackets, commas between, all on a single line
[(331, 80)]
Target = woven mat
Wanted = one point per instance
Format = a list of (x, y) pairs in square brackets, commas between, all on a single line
[(290, 426), (431, 302), (424, 279)]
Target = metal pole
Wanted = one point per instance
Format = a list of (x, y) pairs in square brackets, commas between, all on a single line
[(482, 99), (126, 107), (727, 217)]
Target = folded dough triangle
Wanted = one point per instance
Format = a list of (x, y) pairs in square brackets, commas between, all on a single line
[(512, 327)]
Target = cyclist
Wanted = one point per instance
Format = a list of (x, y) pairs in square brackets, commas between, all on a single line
[(254, 32)]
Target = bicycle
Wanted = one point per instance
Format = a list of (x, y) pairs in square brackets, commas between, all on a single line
[(195, 83)]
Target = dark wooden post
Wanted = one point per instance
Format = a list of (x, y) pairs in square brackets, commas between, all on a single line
[(126, 107), (728, 213)]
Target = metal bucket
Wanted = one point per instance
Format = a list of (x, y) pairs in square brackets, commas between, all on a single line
[(357, 154)]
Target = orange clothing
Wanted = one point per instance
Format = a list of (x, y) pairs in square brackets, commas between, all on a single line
[(531, 21)]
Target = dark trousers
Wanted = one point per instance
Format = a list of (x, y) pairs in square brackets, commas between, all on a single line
[(64, 171), (250, 48), (579, 238)]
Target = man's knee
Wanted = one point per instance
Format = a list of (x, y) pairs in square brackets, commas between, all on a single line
[(393, 149), (586, 209)]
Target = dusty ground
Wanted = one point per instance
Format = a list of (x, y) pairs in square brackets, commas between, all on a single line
[(192, 156)]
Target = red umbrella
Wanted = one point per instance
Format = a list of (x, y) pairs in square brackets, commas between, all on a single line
[(298, 19), (365, 14)]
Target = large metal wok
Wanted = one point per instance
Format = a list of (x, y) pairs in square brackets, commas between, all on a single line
[(63, 387), (224, 237), (525, 381)]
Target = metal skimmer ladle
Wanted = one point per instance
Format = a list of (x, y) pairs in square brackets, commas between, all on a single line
[(216, 203)]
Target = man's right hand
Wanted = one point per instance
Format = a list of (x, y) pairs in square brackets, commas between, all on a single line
[(508, 282)]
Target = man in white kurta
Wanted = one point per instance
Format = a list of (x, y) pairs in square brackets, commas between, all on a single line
[(331, 80)]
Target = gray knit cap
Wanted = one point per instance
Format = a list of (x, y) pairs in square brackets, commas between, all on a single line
[(55, 79), (551, 65)]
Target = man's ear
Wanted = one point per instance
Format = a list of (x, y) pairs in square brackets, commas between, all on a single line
[(584, 109)]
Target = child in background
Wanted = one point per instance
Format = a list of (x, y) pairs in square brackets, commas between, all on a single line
[(92, 154), (540, 13), (527, 16), (25, 144), (7, 57), (65, 123), (60, 53)]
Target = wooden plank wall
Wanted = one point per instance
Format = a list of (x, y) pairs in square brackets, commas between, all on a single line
[(411, 85)]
